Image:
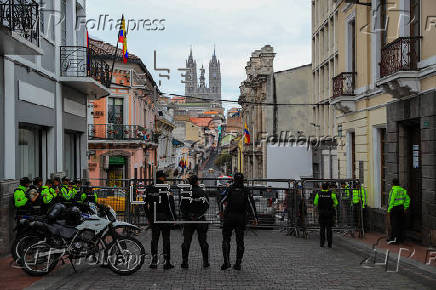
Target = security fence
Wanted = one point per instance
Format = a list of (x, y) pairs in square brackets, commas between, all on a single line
[(282, 204)]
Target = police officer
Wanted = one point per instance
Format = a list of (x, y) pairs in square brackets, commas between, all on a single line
[(193, 208), (398, 203), (67, 192), (359, 201), (20, 197), (238, 201), (326, 202), (162, 202), (47, 194)]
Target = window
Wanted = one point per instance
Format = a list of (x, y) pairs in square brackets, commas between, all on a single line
[(30, 150), (353, 45), (71, 154), (353, 155), (115, 111)]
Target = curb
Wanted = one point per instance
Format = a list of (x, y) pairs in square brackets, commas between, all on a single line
[(408, 267)]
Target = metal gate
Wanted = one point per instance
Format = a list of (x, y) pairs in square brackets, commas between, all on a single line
[(282, 204)]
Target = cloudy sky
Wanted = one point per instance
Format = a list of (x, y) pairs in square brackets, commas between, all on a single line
[(236, 27)]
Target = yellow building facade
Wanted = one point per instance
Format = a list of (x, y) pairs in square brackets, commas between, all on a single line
[(383, 96)]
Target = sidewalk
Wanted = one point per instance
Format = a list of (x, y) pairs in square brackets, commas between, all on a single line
[(412, 254), (414, 251), (12, 278)]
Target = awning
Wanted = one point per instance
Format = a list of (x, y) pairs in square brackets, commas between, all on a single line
[(116, 160)]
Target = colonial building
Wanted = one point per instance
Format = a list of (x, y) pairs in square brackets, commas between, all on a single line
[(257, 88), (384, 95), (197, 87), (122, 137), (324, 67), (47, 76)]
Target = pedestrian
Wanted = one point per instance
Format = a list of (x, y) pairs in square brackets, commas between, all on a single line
[(193, 208), (398, 203), (161, 202), (238, 200), (326, 202)]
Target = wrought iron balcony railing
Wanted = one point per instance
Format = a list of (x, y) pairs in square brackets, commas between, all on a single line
[(119, 132), (400, 55), (344, 84), (79, 61), (21, 17)]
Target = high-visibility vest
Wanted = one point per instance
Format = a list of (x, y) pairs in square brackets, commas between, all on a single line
[(359, 195), (20, 198), (398, 196)]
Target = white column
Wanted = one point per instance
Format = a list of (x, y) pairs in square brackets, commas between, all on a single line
[(9, 120), (59, 136), (349, 155)]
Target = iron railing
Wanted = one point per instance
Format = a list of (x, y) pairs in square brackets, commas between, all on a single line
[(79, 61), (400, 55), (22, 17), (119, 132), (344, 84)]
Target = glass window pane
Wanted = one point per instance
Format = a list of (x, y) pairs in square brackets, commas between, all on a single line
[(30, 152)]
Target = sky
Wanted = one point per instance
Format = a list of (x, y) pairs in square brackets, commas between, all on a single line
[(235, 27)]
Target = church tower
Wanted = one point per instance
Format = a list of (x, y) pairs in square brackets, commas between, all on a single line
[(191, 76), (215, 78)]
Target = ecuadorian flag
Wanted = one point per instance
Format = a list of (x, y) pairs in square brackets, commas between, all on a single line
[(246, 134), (122, 38)]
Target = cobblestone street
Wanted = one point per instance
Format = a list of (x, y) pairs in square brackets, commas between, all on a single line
[(272, 261)]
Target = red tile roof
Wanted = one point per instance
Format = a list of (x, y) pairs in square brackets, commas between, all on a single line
[(201, 122)]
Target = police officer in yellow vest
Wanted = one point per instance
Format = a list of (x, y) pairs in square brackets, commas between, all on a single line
[(20, 198), (398, 203), (359, 203), (326, 202), (67, 192)]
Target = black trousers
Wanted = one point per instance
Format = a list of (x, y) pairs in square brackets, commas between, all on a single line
[(237, 223), (156, 229), (397, 222), (325, 227), (188, 232), (357, 211)]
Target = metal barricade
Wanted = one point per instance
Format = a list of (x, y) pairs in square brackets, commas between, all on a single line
[(348, 217)]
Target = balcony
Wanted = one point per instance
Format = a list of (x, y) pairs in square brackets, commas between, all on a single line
[(343, 92), (19, 27), (83, 70), (399, 66), (102, 133)]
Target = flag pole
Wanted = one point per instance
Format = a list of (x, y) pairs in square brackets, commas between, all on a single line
[(116, 49)]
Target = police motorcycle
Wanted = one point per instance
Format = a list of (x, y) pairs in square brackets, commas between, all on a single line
[(85, 237)]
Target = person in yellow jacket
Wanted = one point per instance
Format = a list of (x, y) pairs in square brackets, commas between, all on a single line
[(20, 197), (48, 194), (398, 203), (67, 192)]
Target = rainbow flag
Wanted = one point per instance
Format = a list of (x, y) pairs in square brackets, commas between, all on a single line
[(246, 134)]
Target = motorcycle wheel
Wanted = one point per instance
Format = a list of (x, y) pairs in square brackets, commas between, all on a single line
[(38, 259), (125, 255), (19, 246)]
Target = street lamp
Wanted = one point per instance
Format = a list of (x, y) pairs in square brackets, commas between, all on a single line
[(357, 2)]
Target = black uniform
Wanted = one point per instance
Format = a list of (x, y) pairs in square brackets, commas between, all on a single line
[(326, 202), (193, 208), (165, 209), (238, 202)]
